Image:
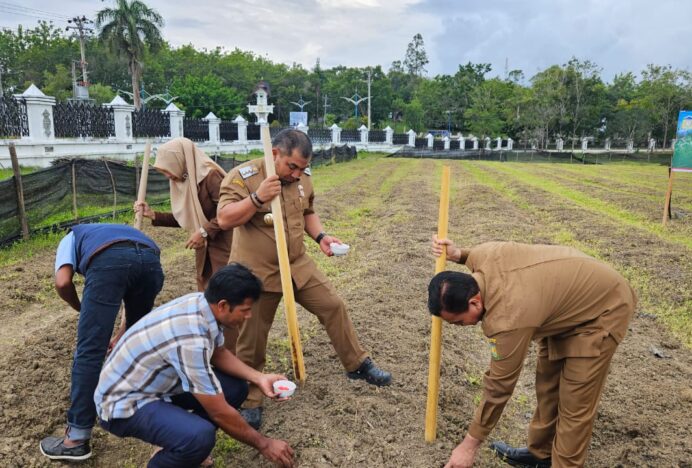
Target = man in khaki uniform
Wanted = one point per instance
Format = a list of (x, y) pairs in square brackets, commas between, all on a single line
[(244, 204), (576, 308)]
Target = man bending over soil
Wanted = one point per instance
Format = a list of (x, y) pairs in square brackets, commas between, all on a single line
[(576, 308), (119, 264)]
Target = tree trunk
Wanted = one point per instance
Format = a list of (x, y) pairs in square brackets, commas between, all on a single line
[(134, 72)]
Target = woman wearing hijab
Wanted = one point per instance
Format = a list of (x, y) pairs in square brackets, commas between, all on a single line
[(195, 180)]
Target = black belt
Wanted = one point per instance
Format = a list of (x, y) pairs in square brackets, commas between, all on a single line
[(130, 243)]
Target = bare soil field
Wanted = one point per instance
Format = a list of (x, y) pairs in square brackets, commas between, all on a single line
[(387, 210)]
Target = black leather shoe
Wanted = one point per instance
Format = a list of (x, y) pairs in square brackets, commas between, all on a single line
[(253, 416), (519, 456), (371, 373)]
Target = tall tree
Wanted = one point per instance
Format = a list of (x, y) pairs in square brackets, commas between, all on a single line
[(666, 91), (585, 92), (129, 29), (416, 58)]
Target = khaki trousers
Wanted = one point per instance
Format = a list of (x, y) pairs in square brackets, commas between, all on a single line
[(318, 298), (568, 391)]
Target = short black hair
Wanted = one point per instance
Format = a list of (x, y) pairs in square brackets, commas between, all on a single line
[(451, 291), (289, 139), (234, 283)]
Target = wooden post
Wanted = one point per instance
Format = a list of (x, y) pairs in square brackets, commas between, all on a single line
[(115, 193), (144, 178), (284, 266), (436, 331), (20, 192), (74, 192), (669, 192), (136, 164)]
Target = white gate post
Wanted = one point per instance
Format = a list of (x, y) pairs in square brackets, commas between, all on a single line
[(176, 118), (39, 112)]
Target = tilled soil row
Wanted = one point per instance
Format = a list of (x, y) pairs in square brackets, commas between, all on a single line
[(666, 265), (634, 199)]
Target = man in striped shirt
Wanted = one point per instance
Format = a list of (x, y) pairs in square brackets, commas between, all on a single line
[(170, 382)]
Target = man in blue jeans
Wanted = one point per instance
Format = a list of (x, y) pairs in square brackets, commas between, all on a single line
[(170, 381), (119, 264)]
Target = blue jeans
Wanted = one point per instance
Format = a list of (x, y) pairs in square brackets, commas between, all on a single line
[(186, 438), (123, 272)]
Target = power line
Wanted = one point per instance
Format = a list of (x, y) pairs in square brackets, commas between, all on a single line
[(20, 9), (11, 12)]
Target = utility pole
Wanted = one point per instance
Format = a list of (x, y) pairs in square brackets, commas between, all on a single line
[(81, 25), (2, 94), (369, 100), (324, 114)]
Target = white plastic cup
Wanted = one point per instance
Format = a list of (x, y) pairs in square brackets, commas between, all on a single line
[(339, 250), (284, 388)]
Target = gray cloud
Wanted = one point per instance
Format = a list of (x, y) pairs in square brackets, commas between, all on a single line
[(619, 35)]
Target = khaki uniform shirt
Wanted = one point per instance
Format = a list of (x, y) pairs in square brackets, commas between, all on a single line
[(254, 243), (533, 292)]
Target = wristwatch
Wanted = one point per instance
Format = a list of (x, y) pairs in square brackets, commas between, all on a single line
[(320, 236), (203, 232)]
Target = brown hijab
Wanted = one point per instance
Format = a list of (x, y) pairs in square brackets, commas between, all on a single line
[(190, 165)]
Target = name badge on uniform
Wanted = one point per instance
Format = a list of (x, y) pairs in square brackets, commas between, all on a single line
[(307, 171), (301, 191), (492, 342), (248, 171)]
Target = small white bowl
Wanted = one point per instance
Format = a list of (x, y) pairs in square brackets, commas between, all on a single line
[(339, 249), (284, 388)]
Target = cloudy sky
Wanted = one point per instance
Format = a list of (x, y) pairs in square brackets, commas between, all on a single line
[(619, 35)]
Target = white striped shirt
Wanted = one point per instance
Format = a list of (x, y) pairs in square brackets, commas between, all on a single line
[(167, 352)]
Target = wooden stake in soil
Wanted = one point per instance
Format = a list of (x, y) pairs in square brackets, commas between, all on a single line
[(20, 192), (436, 330), (669, 192), (144, 178), (74, 192), (284, 267), (115, 193)]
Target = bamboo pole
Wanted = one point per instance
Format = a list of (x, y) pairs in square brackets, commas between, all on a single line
[(19, 187), (284, 266), (436, 330), (143, 179), (669, 192)]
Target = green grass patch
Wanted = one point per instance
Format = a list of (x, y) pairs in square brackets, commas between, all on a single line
[(7, 173), (224, 448)]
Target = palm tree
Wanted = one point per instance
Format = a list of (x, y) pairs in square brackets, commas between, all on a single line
[(127, 29)]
